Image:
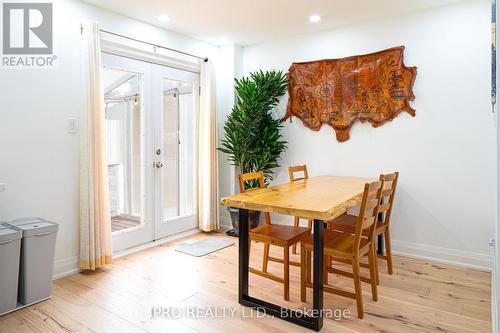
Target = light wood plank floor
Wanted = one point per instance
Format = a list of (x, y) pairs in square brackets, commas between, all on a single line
[(420, 297)]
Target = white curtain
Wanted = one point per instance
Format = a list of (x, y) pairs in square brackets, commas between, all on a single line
[(95, 220), (207, 153)]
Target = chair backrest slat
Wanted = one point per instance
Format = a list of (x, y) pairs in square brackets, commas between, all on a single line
[(388, 195), (388, 191), (390, 176), (297, 168), (384, 207), (368, 212), (371, 203), (251, 176), (368, 222)]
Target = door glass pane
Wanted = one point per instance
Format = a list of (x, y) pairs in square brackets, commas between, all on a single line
[(124, 144), (178, 149)]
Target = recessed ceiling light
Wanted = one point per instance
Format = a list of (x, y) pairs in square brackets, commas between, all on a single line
[(314, 18), (163, 18)]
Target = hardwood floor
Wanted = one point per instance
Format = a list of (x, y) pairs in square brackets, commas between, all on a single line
[(420, 297)]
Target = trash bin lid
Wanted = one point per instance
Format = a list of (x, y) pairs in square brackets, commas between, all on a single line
[(34, 226), (8, 233)]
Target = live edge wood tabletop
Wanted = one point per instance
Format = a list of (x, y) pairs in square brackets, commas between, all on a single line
[(320, 198)]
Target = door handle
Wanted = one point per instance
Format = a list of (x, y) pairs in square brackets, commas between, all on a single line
[(159, 165)]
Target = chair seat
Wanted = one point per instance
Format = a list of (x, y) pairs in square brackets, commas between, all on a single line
[(338, 244), (347, 223), (276, 234)]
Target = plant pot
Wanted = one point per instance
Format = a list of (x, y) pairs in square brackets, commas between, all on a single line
[(253, 219)]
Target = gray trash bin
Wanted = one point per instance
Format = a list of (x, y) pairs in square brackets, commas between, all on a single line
[(37, 258), (10, 249)]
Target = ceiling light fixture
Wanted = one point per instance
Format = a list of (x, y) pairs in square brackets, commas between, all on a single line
[(314, 18), (163, 18)]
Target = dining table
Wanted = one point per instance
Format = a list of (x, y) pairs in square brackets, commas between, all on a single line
[(321, 198)]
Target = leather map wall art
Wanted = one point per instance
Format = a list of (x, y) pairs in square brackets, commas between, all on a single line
[(373, 87)]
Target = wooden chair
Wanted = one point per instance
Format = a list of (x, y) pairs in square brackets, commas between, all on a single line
[(270, 234), (347, 223), (350, 248), (291, 174), (253, 177)]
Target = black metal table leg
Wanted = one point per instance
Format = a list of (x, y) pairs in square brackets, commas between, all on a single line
[(315, 321), (244, 254), (318, 273), (380, 244)]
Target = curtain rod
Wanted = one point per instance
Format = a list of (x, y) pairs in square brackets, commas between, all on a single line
[(205, 59)]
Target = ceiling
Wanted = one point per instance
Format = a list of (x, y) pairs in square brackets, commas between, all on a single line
[(246, 22)]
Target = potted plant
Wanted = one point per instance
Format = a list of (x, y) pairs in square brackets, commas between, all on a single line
[(252, 139)]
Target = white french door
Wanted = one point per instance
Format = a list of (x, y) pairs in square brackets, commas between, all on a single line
[(151, 119), (176, 99), (127, 97)]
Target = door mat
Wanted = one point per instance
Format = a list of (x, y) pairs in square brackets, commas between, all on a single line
[(203, 247)]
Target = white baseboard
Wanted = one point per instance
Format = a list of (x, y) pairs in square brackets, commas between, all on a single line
[(473, 260), (65, 267), (69, 266), (478, 261), (162, 241)]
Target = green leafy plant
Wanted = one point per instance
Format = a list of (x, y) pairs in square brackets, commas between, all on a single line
[(253, 137)]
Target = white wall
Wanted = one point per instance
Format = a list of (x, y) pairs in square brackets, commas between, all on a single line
[(229, 67), (495, 276), (446, 203), (39, 160)]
